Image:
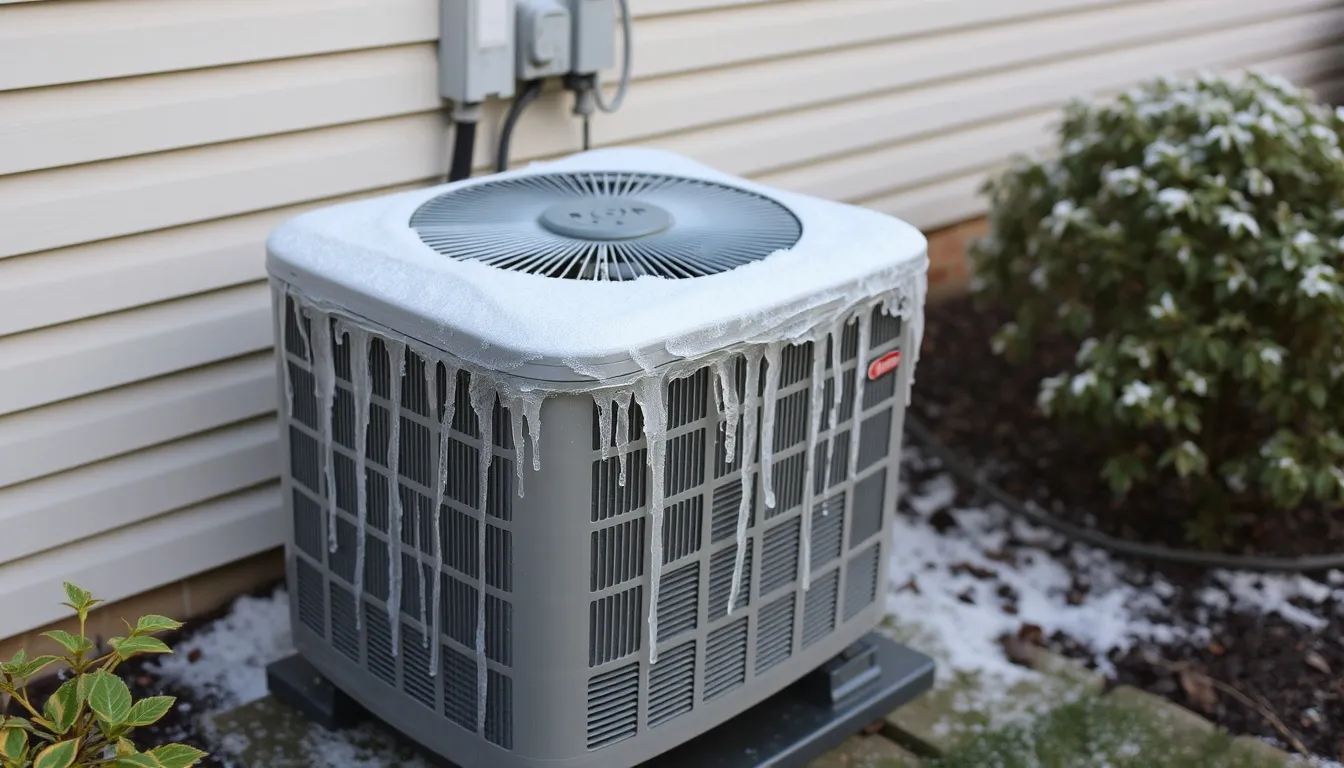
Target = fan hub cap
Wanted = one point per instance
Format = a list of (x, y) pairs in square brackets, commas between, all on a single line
[(605, 218)]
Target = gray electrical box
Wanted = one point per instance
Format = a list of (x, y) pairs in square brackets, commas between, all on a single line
[(594, 35), (476, 49), (544, 39)]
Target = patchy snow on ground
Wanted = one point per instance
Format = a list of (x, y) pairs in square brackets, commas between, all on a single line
[(969, 575), (225, 663)]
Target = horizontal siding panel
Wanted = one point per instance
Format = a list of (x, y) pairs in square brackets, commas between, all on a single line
[(66, 361), (73, 205), (799, 82), (952, 200), (44, 441), (54, 511), (938, 204), (774, 142), (871, 173), (66, 41), (52, 127), (136, 559), (41, 290)]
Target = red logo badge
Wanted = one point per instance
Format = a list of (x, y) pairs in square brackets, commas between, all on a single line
[(884, 365)]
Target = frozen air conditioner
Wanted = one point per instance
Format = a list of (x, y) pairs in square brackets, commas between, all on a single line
[(627, 503)]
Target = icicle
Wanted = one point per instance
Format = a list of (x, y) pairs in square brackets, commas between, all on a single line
[(916, 337), (519, 447), (837, 392), (532, 411), (432, 401), (810, 456), (652, 401), (772, 352), (604, 422), (483, 403), (753, 356), (362, 383), (445, 426), (397, 350), (324, 374), (281, 299), (716, 388), (860, 379), (622, 432), (725, 372)]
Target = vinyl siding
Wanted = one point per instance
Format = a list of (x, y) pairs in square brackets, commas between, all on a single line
[(148, 146)]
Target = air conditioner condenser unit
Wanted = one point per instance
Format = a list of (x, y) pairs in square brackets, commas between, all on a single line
[(586, 458)]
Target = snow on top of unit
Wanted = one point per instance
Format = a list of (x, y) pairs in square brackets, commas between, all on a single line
[(364, 258)]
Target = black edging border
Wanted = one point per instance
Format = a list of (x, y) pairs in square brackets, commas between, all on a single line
[(963, 472)]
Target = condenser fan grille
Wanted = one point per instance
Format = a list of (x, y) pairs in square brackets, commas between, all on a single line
[(606, 225)]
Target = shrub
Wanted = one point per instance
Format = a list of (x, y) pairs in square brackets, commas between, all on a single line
[(1187, 237), (87, 721)]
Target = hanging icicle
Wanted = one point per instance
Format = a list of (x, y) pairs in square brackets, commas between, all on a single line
[(361, 381), (753, 383), (837, 336), (483, 403), (440, 489), (771, 374), (397, 351), (651, 394), (815, 402), (860, 379), (324, 375), (622, 433), (725, 371)]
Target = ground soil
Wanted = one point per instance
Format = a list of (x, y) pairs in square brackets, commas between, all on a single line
[(984, 409)]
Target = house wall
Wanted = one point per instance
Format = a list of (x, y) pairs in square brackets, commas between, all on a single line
[(148, 146)]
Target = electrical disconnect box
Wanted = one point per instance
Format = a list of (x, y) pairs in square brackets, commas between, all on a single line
[(476, 49), (594, 24), (543, 39), (485, 46)]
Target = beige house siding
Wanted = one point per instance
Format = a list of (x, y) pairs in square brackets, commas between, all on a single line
[(148, 146)]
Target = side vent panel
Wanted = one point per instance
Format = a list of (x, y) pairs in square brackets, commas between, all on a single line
[(613, 706)]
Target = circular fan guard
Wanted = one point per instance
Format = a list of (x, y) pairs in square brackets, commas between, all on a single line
[(606, 225)]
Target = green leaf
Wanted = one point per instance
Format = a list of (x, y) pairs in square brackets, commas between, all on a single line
[(149, 711), (19, 657), (63, 706), (1317, 394), (176, 755), (125, 747), (13, 744), (33, 666), (109, 697), (126, 647), (135, 760), (78, 598), (62, 754), (154, 623), (71, 643)]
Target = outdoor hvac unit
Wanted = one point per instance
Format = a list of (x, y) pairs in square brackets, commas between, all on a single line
[(645, 422)]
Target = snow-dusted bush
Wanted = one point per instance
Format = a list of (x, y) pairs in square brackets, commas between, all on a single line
[(1188, 236)]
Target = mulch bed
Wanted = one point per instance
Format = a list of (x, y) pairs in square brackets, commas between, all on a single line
[(985, 410)]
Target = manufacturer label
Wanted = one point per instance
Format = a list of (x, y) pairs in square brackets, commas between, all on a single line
[(884, 365)]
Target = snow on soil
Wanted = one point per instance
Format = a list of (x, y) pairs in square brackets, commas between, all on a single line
[(962, 577)]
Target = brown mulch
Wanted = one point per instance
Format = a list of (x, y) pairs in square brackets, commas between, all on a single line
[(984, 409)]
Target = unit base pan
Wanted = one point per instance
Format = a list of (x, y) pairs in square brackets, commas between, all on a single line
[(797, 725)]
